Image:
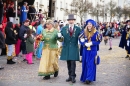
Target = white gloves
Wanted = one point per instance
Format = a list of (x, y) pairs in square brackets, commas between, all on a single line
[(82, 40), (128, 26), (128, 43), (32, 36), (59, 34), (25, 35), (88, 44)]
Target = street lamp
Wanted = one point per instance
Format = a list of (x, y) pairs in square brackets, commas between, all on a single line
[(16, 13)]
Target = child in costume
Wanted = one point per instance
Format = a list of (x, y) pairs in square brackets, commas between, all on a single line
[(29, 46)]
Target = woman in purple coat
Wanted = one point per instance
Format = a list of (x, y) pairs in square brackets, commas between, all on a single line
[(89, 39)]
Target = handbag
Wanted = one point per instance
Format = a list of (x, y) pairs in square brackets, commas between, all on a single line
[(97, 60)]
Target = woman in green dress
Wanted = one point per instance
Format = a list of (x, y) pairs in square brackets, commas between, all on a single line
[(49, 60)]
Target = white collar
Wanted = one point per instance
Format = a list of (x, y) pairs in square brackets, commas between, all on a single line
[(71, 26)]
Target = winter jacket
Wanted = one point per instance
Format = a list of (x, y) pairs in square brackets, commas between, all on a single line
[(30, 44), (23, 31), (10, 36)]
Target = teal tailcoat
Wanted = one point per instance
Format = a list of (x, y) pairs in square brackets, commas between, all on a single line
[(70, 49)]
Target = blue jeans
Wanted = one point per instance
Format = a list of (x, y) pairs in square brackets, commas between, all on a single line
[(10, 50)]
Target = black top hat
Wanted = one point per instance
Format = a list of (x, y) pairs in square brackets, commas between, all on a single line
[(127, 21), (71, 17)]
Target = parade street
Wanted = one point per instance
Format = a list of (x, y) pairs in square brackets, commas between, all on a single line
[(114, 70)]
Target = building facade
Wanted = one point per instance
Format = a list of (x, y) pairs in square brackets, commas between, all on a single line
[(61, 8)]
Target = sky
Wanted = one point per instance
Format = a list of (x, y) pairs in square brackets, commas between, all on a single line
[(123, 2)]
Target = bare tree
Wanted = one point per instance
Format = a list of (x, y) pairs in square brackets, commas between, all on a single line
[(118, 12), (111, 6), (126, 12), (80, 8), (97, 11), (126, 9)]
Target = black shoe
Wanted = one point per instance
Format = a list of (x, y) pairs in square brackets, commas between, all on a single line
[(73, 80), (110, 48), (46, 77), (10, 62), (127, 56), (1, 68), (24, 60), (87, 82), (56, 74), (69, 79), (80, 61)]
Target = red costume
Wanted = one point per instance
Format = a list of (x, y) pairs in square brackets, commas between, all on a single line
[(4, 17)]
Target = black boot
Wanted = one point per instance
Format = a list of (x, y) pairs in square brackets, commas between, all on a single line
[(10, 61), (127, 56), (110, 48), (80, 61), (46, 77), (73, 80), (69, 79), (56, 74), (24, 60)]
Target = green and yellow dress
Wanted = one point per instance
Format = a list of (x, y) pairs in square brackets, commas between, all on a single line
[(49, 59)]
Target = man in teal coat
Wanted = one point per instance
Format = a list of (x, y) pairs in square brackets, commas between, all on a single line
[(70, 49)]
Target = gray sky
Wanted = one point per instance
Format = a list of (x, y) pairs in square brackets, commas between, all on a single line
[(122, 2)]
